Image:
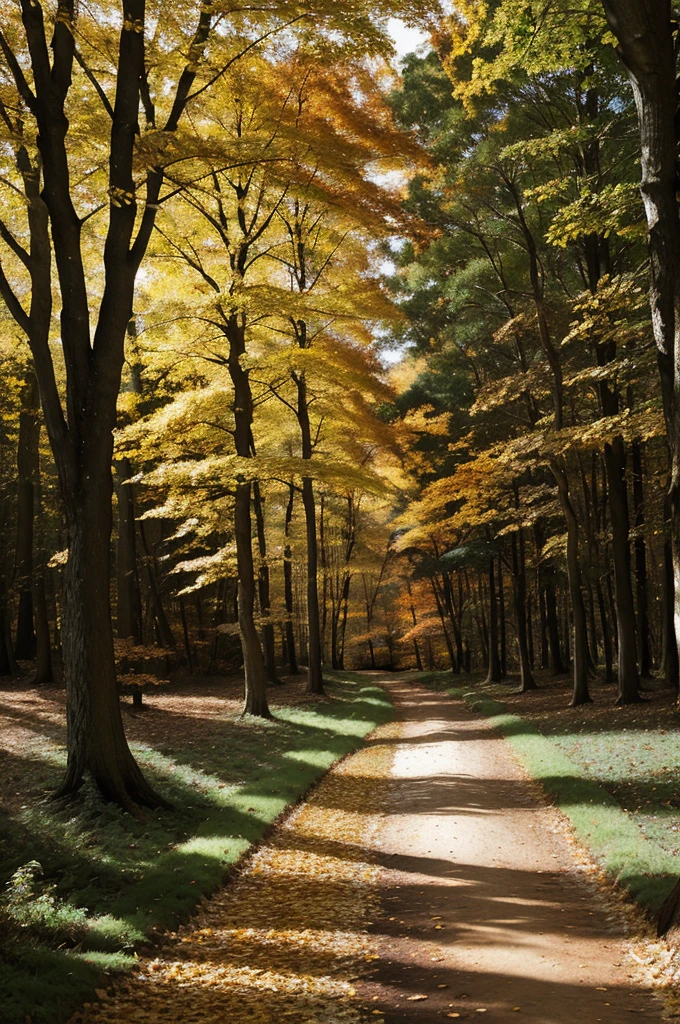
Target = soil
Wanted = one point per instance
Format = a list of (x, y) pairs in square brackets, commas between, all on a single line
[(486, 910)]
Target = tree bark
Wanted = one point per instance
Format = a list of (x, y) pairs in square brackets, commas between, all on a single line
[(493, 674), (95, 736), (291, 655), (268, 642), (646, 35), (606, 636), (501, 620), (28, 471), (81, 434), (253, 661), (129, 596), (643, 624), (526, 677), (314, 670), (416, 649), (629, 682)]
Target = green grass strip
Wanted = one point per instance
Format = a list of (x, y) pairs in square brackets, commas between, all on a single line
[(637, 864), (277, 763)]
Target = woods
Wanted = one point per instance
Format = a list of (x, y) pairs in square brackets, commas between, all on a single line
[(516, 435), (318, 359), (406, 314)]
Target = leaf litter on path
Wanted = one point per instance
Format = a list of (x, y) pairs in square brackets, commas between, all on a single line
[(288, 937)]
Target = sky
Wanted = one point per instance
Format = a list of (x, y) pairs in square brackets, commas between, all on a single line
[(405, 39)]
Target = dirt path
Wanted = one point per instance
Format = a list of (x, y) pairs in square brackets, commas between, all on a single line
[(423, 880), (488, 914)]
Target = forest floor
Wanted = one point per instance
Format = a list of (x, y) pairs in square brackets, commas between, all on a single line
[(105, 883), (425, 878)]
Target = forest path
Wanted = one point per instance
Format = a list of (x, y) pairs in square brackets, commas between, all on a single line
[(424, 879), (486, 909)]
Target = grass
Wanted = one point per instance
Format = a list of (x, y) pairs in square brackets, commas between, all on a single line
[(106, 884), (611, 770)]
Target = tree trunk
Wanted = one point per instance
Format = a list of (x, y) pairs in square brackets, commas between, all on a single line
[(606, 637), (268, 641), (647, 33), (291, 655), (629, 682), (129, 603), (95, 736), (557, 667), (253, 661), (527, 681), (416, 650), (43, 657), (185, 633), (543, 626), (501, 620), (164, 635), (28, 471), (314, 670), (442, 619), (670, 646), (643, 625), (315, 675), (494, 664), (580, 692)]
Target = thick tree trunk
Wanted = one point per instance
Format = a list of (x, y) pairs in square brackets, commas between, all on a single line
[(647, 34), (80, 432), (28, 470), (95, 736)]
